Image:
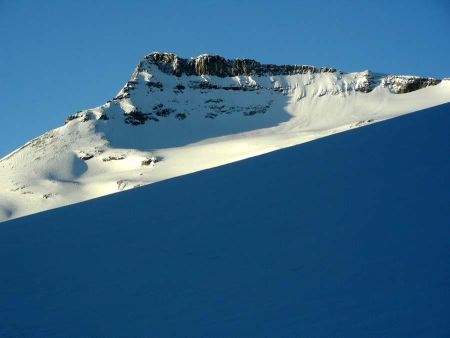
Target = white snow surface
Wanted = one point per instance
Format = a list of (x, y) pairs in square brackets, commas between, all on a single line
[(192, 123)]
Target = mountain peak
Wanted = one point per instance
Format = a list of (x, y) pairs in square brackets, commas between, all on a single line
[(180, 115), (216, 65)]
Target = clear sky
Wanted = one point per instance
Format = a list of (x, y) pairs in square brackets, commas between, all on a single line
[(58, 57)]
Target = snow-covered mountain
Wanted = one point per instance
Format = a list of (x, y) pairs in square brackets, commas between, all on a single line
[(346, 236), (176, 116)]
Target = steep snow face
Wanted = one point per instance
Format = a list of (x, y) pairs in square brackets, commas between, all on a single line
[(176, 116), (347, 236)]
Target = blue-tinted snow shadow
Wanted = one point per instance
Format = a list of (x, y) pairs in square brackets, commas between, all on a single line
[(170, 132), (344, 236)]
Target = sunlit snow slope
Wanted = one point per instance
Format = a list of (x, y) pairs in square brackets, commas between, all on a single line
[(347, 236), (176, 116)]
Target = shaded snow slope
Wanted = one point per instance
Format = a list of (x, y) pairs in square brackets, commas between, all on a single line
[(345, 236), (177, 116)]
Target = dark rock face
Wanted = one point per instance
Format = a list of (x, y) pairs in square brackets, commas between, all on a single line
[(218, 66), (86, 157), (215, 65), (369, 83), (113, 158), (151, 161), (137, 117), (396, 84), (70, 118), (406, 84), (157, 85), (103, 117), (179, 88)]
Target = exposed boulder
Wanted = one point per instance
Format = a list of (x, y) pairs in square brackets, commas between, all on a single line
[(150, 161), (113, 158), (85, 156)]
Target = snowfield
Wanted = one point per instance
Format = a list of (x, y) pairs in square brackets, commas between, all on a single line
[(346, 236), (162, 125)]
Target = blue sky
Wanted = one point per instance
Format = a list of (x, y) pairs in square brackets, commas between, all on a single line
[(59, 57)]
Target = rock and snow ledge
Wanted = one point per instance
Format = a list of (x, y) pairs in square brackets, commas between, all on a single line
[(176, 116)]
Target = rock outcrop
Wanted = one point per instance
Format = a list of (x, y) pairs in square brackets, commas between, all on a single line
[(406, 84), (397, 84), (218, 66)]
